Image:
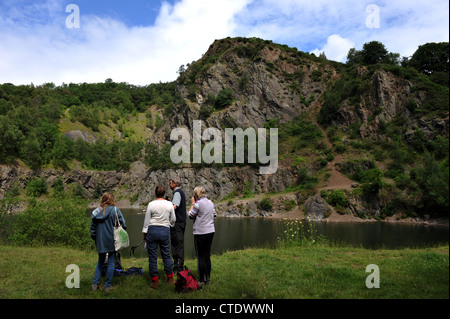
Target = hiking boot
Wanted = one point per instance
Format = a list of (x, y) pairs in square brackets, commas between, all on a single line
[(94, 287), (155, 283), (170, 280), (108, 289)]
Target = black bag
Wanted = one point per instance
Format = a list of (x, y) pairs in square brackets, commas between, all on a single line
[(186, 281), (129, 272)]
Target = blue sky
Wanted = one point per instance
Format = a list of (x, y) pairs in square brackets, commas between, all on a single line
[(145, 41)]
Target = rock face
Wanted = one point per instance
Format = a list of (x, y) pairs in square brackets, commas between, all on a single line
[(139, 183), (268, 82), (316, 207), (76, 134), (390, 97)]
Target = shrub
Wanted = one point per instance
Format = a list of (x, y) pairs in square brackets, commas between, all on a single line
[(57, 221), (265, 204), (338, 199), (372, 180), (224, 99), (36, 187)]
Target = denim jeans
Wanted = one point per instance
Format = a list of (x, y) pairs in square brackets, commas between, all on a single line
[(109, 271), (158, 236)]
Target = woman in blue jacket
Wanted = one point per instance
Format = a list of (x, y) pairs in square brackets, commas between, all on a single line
[(102, 231)]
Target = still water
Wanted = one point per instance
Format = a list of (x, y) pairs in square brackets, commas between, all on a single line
[(239, 233)]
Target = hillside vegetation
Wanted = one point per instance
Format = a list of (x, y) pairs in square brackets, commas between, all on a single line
[(380, 120)]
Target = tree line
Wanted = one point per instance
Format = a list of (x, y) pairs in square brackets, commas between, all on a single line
[(29, 118)]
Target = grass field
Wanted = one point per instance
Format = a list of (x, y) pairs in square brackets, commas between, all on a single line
[(298, 272)]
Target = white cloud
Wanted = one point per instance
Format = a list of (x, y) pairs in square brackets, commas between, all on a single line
[(336, 48), (310, 25), (36, 46), (106, 48)]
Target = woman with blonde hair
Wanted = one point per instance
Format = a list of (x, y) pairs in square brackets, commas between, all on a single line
[(102, 231), (203, 213)]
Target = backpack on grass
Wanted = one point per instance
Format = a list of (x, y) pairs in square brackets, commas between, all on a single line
[(186, 281)]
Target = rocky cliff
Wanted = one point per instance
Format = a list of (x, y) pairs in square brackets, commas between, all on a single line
[(271, 85)]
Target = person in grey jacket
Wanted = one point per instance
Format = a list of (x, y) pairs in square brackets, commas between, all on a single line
[(203, 212), (102, 231)]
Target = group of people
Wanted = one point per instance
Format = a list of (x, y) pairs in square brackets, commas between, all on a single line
[(164, 227)]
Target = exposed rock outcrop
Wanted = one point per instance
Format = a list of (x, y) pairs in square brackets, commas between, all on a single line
[(139, 183)]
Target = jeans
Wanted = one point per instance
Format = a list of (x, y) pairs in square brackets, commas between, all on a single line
[(203, 245), (177, 242), (109, 270), (158, 236)]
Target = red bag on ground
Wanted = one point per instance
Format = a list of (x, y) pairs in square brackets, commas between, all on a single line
[(186, 281)]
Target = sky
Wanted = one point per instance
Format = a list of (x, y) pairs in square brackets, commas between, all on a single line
[(146, 41)]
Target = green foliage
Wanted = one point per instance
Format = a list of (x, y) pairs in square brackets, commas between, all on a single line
[(350, 87), (53, 222), (305, 180), (36, 187), (223, 99), (116, 155), (433, 180), (431, 58), (299, 233), (29, 116), (265, 204), (372, 180), (372, 53), (338, 199), (158, 156), (302, 128), (10, 139)]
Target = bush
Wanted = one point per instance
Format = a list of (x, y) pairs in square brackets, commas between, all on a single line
[(224, 99), (36, 187), (372, 180), (338, 199), (265, 204), (57, 221)]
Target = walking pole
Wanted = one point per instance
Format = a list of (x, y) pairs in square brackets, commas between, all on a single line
[(134, 248)]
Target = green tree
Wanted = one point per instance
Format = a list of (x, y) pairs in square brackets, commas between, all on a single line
[(372, 180), (431, 58), (31, 152), (36, 187), (354, 56), (374, 52), (62, 151), (10, 139), (433, 179)]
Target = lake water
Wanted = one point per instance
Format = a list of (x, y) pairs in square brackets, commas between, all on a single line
[(239, 233)]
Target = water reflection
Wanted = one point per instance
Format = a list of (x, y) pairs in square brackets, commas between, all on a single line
[(238, 233)]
